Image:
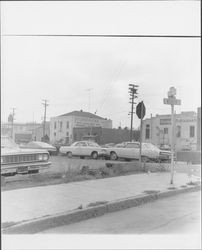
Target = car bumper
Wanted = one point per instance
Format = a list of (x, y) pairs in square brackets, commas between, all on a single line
[(23, 168)]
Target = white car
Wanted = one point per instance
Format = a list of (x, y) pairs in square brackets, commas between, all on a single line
[(15, 160), (131, 150), (82, 149), (41, 145)]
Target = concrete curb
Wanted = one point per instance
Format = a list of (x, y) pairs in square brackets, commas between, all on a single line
[(51, 221)]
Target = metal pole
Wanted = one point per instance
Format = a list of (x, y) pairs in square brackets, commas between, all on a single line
[(140, 158), (172, 143)]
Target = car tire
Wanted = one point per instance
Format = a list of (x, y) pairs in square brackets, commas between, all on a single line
[(144, 159), (69, 154), (113, 156), (36, 171), (94, 155)]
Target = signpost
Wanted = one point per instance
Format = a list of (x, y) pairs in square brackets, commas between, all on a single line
[(140, 111), (171, 100)]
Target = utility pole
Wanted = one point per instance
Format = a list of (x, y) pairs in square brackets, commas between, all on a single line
[(133, 94), (45, 104), (12, 123)]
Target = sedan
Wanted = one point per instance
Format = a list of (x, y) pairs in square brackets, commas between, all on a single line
[(15, 160), (82, 149), (131, 150), (41, 145)]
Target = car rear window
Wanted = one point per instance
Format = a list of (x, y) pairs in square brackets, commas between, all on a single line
[(132, 145)]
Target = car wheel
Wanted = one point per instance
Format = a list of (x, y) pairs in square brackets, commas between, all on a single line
[(144, 159), (113, 156), (69, 154), (94, 155), (36, 171)]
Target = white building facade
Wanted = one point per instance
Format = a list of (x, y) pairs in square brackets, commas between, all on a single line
[(157, 130), (61, 127)]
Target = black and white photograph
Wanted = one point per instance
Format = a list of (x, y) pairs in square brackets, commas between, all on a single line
[(101, 124)]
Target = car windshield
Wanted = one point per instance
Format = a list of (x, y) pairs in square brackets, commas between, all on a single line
[(38, 144), (132, 145), (7, 142), (93, 144)]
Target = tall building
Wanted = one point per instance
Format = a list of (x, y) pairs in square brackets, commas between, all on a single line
[(61, 127), (157, 130)]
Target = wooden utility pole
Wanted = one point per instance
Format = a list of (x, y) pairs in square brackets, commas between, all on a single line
[(45, 104), (133, 94)]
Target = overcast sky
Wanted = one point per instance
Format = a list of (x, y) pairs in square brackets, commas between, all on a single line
[(63, 69)]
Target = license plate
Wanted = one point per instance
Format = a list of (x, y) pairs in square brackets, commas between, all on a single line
[(22, 169)]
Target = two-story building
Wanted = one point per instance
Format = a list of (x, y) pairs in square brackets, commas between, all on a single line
[(157, 130), (62, 126)]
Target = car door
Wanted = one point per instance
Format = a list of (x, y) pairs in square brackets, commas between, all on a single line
[(132, 150), (77, 149), (84, 151)]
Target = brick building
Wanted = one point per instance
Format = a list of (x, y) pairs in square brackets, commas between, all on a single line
[(157, 130), (104, 135)]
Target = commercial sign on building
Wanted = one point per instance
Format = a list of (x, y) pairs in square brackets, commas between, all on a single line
[(80, 122), (165, 121)]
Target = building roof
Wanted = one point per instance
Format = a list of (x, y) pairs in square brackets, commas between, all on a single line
[(83, 114)]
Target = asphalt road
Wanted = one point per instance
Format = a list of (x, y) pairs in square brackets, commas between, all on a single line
[(179, 214)]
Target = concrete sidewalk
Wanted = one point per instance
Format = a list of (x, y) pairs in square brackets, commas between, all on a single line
[(32, 203)]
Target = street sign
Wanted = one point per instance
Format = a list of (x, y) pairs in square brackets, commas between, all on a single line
[(171, 101), (140, 110)]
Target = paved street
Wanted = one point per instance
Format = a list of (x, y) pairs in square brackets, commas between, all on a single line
[(179, 214)]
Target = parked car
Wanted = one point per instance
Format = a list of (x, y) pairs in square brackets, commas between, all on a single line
[(41, 145), (108, 145), (165, 147), (15, 160), (82, 149), (131, 150)]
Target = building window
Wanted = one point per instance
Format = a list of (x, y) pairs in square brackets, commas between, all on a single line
[(191, 131), (165, 131), (147, 131), (178, 133), (67, 125), (67, 133), (75, 136), (54, 133), (55, 125), (60, 126)]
